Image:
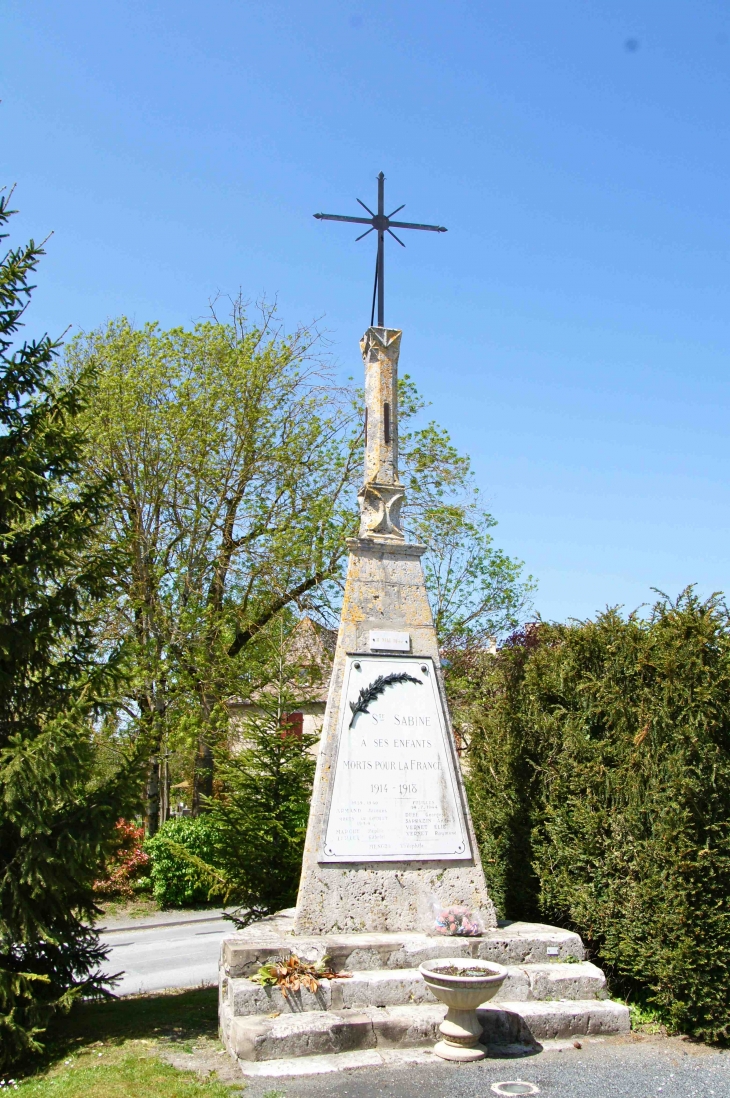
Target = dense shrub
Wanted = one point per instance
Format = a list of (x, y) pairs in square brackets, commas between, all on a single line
[(247, 848), (127, 863), (600, 786), (183, 854)]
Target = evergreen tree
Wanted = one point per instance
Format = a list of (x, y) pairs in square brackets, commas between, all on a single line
[(599, 782), (246, 848), (260, 816), (57, 812)]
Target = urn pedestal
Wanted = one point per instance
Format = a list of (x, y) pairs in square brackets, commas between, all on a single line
[(462, 994)]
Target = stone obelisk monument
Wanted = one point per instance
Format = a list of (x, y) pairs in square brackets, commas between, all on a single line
[(390, 844), (390, 836)]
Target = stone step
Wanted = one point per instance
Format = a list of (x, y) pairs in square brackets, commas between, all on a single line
[(340, 1061), (514, 943), (535, 1021), (316, 1033), (401, 986)]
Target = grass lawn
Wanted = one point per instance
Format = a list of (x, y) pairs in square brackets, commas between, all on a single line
[(129, 1075), (128, 908), (162, 1046)]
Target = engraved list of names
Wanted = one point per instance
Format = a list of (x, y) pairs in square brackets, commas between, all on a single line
[(395, 795)]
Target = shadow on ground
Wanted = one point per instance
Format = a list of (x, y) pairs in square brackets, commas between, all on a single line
[(179, 1016)]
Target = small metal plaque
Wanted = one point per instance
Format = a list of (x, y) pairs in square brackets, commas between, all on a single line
[(389, 640)]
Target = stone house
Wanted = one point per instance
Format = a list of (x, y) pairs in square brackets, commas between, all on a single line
[(307, 660)]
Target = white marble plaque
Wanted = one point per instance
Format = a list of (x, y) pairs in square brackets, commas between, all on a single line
[(389, 640), (395, 795)]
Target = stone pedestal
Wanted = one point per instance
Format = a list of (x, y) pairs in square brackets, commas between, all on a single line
[(384, 1012), (390, 836), (385, 590), (395, 763)]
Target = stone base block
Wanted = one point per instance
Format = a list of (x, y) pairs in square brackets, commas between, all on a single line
[(337, 1061), (513, 943), (404, 986), (258, 1038), (522, 1023), (385, 1009)]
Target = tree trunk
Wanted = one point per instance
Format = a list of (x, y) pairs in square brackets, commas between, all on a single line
[(152, 809), (164, 788), (203, 776)]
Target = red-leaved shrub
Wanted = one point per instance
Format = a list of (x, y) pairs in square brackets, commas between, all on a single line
[(127, 862)]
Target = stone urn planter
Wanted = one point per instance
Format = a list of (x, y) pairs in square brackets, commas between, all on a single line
[(463, 984)]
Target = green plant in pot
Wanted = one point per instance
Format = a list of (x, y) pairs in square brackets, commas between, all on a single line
[(462, 985)]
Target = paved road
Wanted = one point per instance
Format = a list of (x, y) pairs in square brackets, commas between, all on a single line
[(176, 954)]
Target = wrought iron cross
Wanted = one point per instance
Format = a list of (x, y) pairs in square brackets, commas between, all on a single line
[(382, 224)]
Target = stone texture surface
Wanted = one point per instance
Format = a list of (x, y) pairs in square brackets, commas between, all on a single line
[(381, 495), (261, 1038), (385, 589), (341, 1061), (258, 1038), (386, 1007), (405, 986), (513, 943), (246, 997), (566, 981), (515, 1023)]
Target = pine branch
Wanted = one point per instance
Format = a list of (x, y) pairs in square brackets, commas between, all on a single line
[(369, 693)]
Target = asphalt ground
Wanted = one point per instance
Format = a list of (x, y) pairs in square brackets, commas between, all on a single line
[(616, 1067), (180, 953)]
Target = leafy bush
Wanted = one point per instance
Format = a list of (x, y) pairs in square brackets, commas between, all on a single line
[(127, 863), (600, 786), (184, 860), (247, 848)]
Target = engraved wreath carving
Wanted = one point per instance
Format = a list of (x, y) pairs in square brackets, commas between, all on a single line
[(377, 687)]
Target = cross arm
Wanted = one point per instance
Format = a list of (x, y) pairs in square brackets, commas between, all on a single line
[(412, 225), (338, 217)]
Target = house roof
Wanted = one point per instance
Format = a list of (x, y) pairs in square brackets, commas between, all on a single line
[(307, 657)]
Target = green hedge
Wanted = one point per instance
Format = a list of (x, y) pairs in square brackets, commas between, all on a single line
[(600, 786), (180, 851)]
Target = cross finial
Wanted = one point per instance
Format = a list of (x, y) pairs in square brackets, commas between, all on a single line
[(381, 223)]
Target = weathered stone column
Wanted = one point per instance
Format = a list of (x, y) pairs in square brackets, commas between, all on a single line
[(380, 785), (382, 493)]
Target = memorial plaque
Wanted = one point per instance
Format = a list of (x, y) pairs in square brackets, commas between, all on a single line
[(389, 640), (395, 794)]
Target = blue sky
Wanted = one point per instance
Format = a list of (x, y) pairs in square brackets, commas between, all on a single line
[(571, 329)]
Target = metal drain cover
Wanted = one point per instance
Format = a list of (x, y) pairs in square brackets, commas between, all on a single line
[(515, 1086)]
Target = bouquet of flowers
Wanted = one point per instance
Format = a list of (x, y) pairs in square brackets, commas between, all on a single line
[(457, 920)]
